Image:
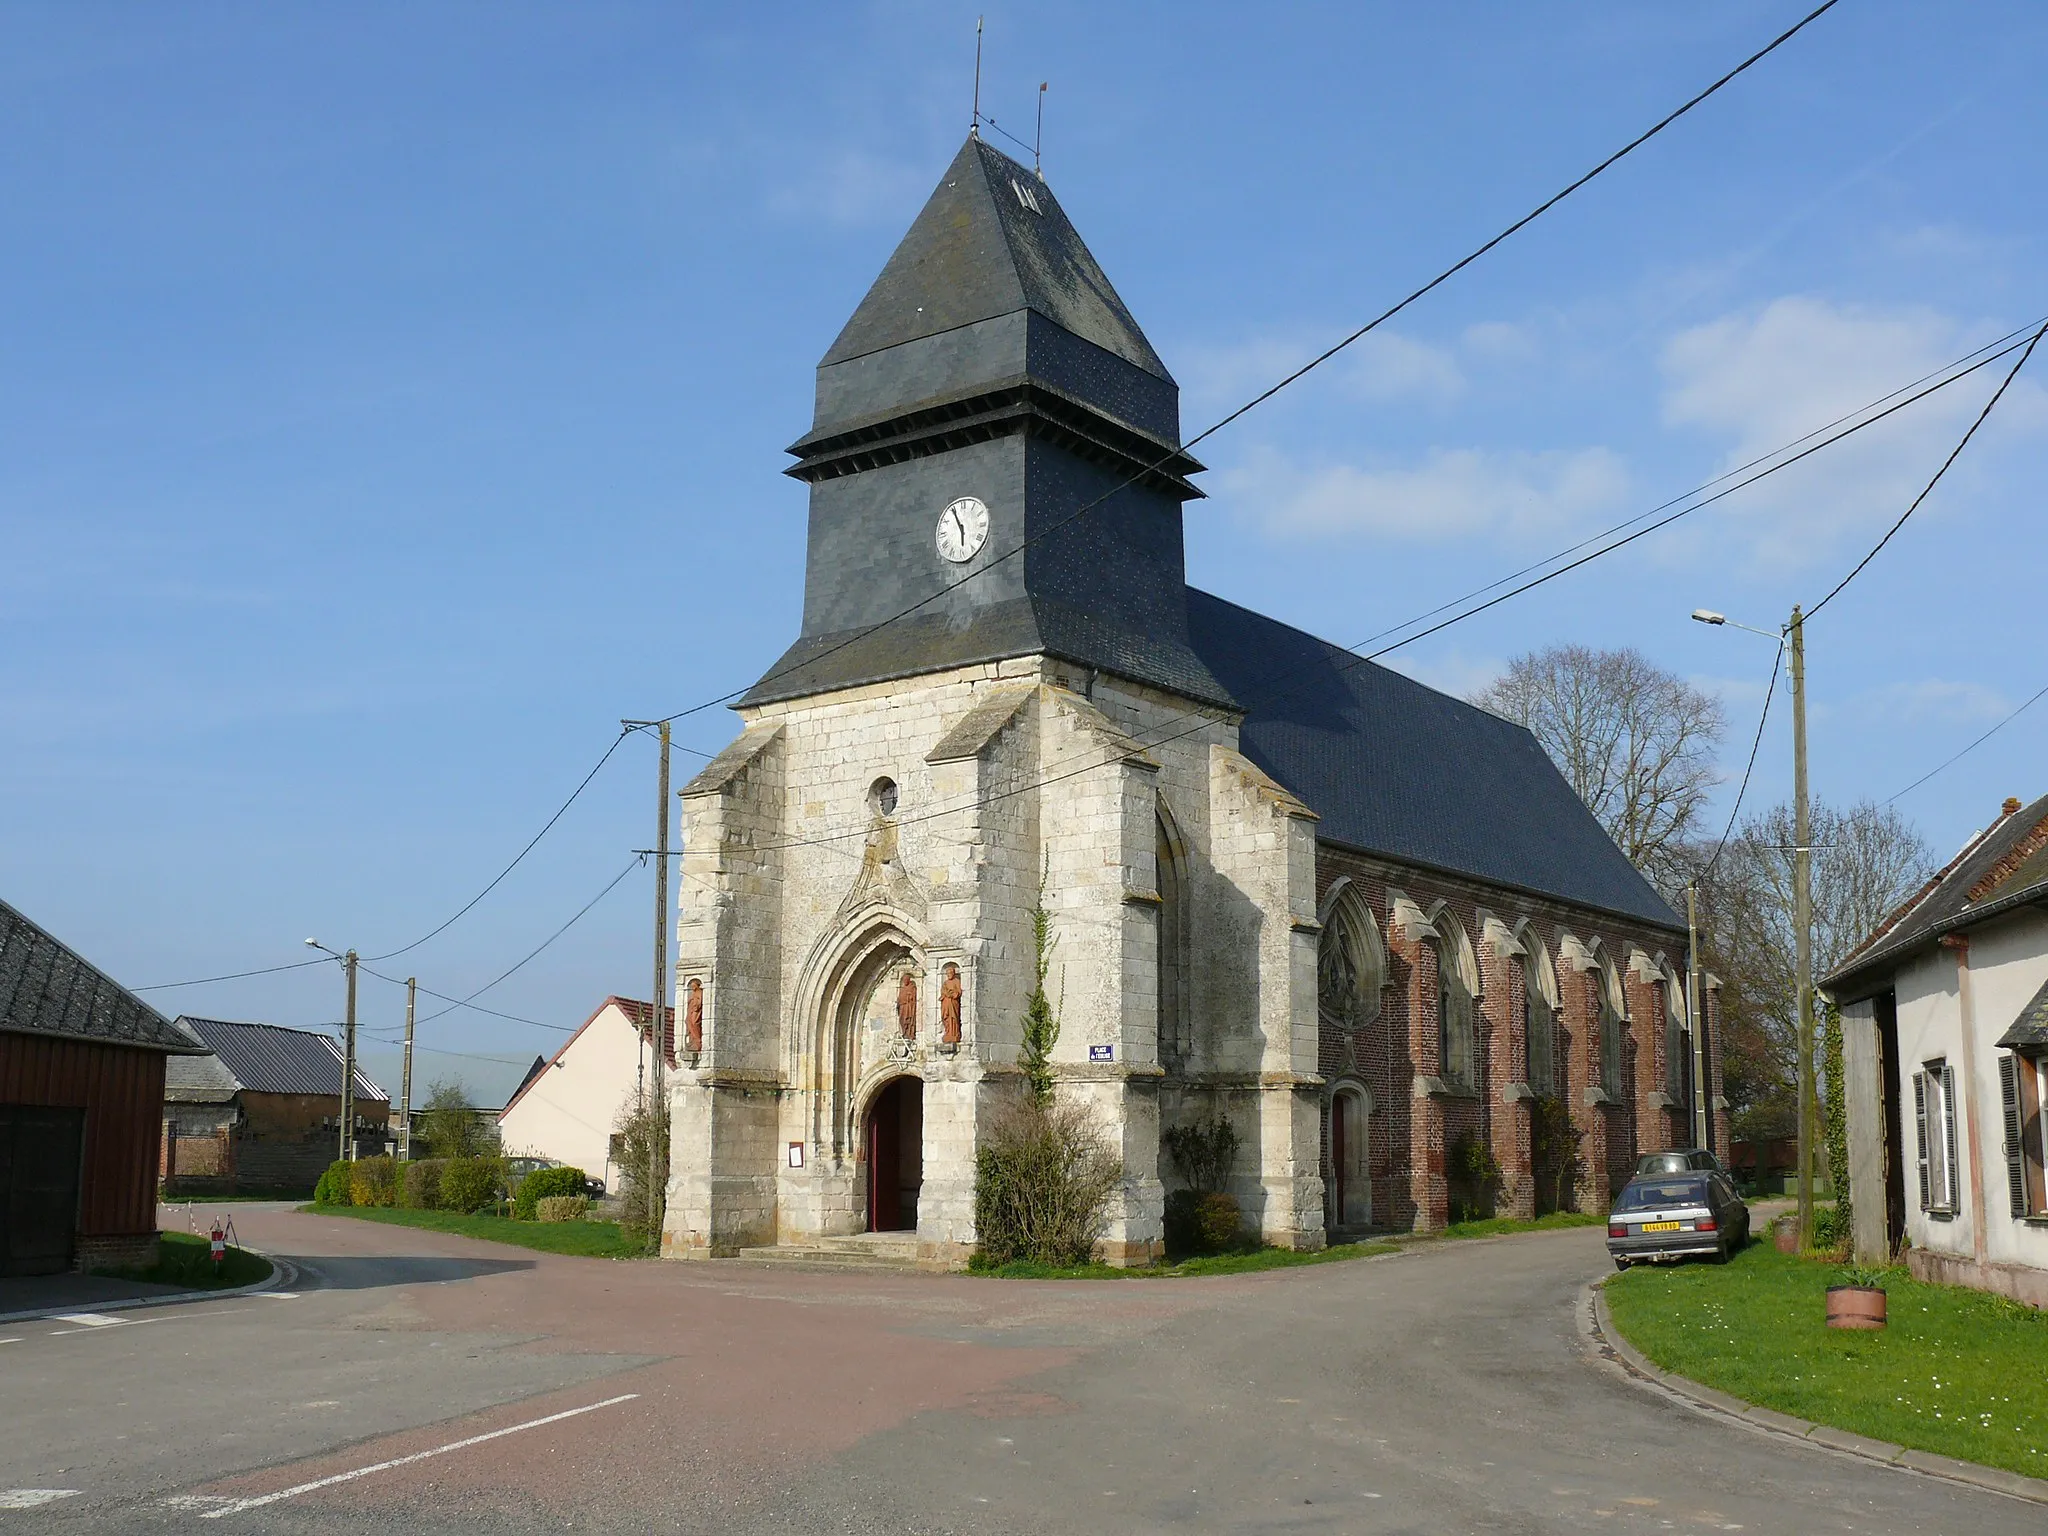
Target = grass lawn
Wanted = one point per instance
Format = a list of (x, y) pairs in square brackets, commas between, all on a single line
[(1957, 1372), (1501, 1226), (1214, 1264), (588, 1239), (186, 1261)]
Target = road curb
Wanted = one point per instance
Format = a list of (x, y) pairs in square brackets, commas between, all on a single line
[(282, 1273), (1598, 1325)]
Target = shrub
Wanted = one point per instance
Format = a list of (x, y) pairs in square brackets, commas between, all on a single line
[(542, 1184), (422, 1184), (1041, 1020), (333, 1186), (561, 1207), (1202, 1221), (1554, 1152), (372, 1181), (1473, 1176), (643, 1145), (1043, 1179), (1203, 1153), (471, 1183), (1836, 1130)]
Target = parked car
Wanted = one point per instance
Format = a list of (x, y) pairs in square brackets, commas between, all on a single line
[(1678, 1160), (1661, 1217), (594, 1188)]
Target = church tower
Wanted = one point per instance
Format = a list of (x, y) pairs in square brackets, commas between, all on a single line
[(994, 703), (994, 460)]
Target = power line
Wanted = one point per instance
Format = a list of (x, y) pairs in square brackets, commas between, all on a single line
[(392, 954), (1954, 454), (1973, 746), (465, 1002), (1313, 363), (200, 981), (1354, 659), (1736, 810)]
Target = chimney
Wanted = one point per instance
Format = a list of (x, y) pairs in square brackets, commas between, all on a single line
[(2012, 805)]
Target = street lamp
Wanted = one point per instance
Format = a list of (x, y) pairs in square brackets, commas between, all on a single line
[(1794, 636), (348, 1060)]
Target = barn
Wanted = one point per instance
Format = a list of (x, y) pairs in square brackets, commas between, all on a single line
[(81, 1092)]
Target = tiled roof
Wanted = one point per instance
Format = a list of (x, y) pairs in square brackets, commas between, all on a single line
[(47, 989), (2030, 1030), (2001, 868), (639, 1014), (269, 1058), (1397, 769)]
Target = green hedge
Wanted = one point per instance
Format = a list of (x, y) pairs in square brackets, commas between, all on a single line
[(544, 1184), (472, 1183), (333, 1186)]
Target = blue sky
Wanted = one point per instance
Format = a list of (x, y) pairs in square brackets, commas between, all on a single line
[(393, 397)]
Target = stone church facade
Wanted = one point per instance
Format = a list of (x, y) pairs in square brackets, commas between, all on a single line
[(1367, 923)]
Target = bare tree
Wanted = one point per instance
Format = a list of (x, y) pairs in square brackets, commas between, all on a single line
[(1866, 860), (1636, 742)]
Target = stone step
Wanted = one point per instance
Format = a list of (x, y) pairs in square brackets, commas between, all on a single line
[(859, 1250)]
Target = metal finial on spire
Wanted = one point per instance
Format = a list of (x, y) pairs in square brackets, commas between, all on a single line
[(974, 124), (1038, 139)]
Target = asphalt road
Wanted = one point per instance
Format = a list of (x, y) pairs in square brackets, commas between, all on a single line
[(1443, 1390)]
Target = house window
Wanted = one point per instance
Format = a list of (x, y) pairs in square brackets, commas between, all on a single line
[(2022, 1080), (1934, 1123), (1538, 1036), (1453, 1007)]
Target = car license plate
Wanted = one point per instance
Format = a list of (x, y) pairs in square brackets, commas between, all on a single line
[(1662, 1226)]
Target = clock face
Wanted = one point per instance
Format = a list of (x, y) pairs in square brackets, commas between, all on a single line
[(963, 529)]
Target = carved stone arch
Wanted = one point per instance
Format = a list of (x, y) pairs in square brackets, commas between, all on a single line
[(1348, 1109), (1611, 998), (1458, 991), (1351, 958), (1175, 946), (1541, 1003), (827, 1050)]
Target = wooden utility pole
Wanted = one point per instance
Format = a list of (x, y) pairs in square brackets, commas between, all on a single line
[(348, 1065), (1802, 923), (657, 1172), (405, 1076), (1703, 1125)]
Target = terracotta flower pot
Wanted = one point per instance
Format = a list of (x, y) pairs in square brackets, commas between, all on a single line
[(1786, 1235), (1855, 1306)]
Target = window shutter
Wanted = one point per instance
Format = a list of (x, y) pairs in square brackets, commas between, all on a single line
[(2031, 1149), (2015, 1152), (1951, 1191), (1920, 1136)]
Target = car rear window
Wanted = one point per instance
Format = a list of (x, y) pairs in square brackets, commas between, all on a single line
[(1648, 1194)]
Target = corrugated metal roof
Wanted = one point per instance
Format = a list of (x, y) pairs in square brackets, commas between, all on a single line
[(271, 1058), (1395, 768), (46, 988)]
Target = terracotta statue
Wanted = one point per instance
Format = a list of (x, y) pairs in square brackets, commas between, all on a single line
[(906, 1006), (949, 1006), (693, 1017)]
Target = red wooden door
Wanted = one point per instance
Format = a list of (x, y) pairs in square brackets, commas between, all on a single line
[(885, 1152)]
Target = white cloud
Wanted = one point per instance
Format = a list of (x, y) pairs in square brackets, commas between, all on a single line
[(1456, 674), (1765, 378), (1382, 368), (852, 187), (1453, 493), (1930, 700)]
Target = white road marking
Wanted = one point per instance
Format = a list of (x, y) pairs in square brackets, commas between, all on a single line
[(238, 1505), (88, 1319), (29, 1498), (278, 1295), (10, 1341), (193, 1502), (104, 1322)]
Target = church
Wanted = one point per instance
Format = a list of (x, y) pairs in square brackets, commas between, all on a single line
[(1368, 924)]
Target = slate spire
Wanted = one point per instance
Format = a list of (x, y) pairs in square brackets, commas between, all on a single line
[(992, 359)]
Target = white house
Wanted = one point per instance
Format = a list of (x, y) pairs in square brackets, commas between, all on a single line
[(1945, 1047), (565, 1112)]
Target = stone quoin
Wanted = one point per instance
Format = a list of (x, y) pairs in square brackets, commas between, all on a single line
[(1362, 920)]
